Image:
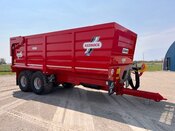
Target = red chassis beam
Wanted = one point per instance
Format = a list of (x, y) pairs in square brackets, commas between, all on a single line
[(144, 94)]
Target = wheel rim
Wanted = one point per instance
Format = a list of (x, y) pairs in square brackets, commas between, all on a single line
[(23, 81), (37, 83)]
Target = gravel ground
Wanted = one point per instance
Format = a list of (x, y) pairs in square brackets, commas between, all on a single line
[(84, 109)]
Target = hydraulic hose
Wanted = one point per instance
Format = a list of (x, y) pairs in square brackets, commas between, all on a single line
[(137, 78)]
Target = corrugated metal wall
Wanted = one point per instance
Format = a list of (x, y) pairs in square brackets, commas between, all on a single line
[(169, 61)]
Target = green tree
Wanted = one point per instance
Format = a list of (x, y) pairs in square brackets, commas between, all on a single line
[(2, 61)]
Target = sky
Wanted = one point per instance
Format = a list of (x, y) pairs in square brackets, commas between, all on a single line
[(152, 20)]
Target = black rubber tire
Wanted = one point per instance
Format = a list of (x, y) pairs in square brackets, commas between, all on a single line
[(27, 75), (68, 85), (55, 84), (46, 87)]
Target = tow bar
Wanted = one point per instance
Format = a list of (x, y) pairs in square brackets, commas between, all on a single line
[(144, 94), (120, 90), (138, 71)]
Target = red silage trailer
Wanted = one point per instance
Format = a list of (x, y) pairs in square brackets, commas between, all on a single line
[(99, 56)]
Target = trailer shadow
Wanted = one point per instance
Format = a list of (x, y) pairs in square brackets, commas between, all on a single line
[(132, 111)]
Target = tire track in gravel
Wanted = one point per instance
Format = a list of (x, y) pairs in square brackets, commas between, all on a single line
[(73, 110), (33, 120), (130, 120), (59, 115), (16, 103), (7, 93), (9, 109), (37, 121), (6, 90), (69, 112), (110, 113), (5, 97), (10, 85), (132, 115), (87, 120)]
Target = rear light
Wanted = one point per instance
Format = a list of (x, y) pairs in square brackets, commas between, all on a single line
[(118, 73), (114, 74), (111, 73)]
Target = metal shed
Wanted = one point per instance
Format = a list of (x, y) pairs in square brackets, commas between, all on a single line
[(169, 61)]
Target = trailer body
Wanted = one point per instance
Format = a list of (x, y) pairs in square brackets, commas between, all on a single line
[(94, 55)]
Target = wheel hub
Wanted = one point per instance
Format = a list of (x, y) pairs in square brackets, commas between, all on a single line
[(23, 81), (37, 83)]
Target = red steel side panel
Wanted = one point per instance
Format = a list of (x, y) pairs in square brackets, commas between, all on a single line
[(99, 59), (35, 51), (59, 51)]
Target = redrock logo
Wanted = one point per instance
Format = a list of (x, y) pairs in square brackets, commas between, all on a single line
[(94, 44)]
